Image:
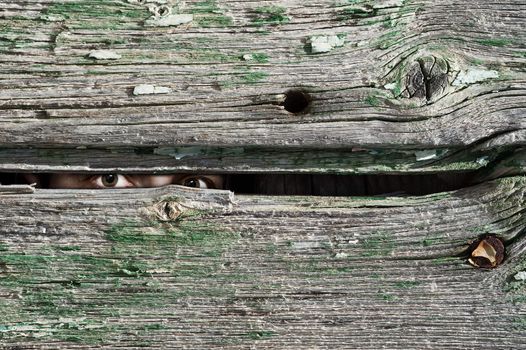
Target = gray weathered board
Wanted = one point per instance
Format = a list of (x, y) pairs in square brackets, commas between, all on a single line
[(395, 86)]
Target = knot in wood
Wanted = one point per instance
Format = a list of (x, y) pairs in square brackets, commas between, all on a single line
[(427, 78), (296, 101), (168, 210), (487, 252), (163, 11)]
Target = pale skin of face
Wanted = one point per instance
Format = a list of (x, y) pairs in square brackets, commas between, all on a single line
[(98, 181)]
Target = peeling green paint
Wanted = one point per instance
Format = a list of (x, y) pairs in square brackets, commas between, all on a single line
[(96, 14), (209, 14), (388, 39), (498, 42), (477, 61), (270, 15), (51, 280), (372, 100), (244, 76), (259, 335), (324, 43), (397, 84), (184, 233), (389, 23), (256, 57), (94, 9), (386, 296), (253, 77), (519, 323), (378, 243), (357, 12), (397, 22)]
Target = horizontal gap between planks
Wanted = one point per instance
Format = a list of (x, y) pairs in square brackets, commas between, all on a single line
[(317, 184)]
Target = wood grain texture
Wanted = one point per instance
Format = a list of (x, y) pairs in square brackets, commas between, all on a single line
[(180, 268), (414, 75), (395, 87), (251, 160)]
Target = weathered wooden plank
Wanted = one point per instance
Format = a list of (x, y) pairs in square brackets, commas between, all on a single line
[(390, 87), (181, 268), (408, 74), (250, 159)]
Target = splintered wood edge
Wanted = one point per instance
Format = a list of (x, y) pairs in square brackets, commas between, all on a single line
[(16, 189)]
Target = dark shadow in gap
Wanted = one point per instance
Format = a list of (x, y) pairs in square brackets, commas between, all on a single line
[(328, 185), (346, 185)]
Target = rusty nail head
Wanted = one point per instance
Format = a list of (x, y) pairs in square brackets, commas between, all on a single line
[(487, 252)]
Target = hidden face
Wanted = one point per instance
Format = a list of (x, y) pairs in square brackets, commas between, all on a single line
[(101, 181)]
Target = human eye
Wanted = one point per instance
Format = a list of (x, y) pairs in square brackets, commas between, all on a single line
[(110, 181), (197, 182)]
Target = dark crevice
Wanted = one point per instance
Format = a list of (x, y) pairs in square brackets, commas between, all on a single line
[(346, 185), (324, 184), (427, 88)]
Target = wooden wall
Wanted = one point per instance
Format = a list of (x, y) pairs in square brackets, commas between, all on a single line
[(276, 87)]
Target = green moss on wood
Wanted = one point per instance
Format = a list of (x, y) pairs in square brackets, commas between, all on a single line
[(389, 23), (95, 9), (378, 243), (372, 100), (60, 281), (183, 233), (260, 335), (208, 14), (386, 296), (253, 77), (399, 80), (477, 62), (357, 13), (388, 39), (96, 14), (245, 77), (204, 55), (519, 323), (270, 15), (431, 241), (498, 42), (257, 57)]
